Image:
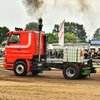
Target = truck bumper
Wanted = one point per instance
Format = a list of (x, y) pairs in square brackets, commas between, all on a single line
[(7, 65), (86, 71), (88, 68)]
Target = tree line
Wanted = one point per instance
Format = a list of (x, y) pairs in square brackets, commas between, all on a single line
[(69, 29), (79, 32)]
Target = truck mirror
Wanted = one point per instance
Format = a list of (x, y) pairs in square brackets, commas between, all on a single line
[(8, 38)]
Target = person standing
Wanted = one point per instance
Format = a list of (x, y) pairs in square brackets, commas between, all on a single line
[(61, 55), (95, 54), (98, 55), (85, 55), (48, 53), (89, 54), (58, 55), (51, 53), (55, 53), (1, 53), (92, 54)]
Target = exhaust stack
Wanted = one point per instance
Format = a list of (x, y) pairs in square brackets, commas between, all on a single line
[(40, 29)]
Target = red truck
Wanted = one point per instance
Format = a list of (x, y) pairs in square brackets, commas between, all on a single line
[(22, 53)]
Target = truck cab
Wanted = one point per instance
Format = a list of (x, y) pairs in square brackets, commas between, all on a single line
[(22, 46)]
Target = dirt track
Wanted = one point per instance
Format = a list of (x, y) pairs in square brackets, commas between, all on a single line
[(51, 85)]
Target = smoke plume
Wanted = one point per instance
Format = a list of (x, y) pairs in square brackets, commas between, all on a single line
[(84, 5), (85, 12), (33, 7), (37, 7)]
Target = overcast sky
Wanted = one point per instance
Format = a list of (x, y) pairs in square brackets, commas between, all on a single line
[(13, 14)]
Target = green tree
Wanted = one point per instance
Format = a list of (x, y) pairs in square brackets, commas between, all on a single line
[(3, 35), (68, 27), (3, 44), (78, 29), (80, 33), (68, 38), (96, 35), (33, 26), (52, 38), (56, 29)]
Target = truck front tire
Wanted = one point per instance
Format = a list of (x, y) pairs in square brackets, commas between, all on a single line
[(20, 68), (71, 71)]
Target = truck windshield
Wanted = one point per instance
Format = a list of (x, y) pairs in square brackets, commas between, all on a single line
[(14, 38)]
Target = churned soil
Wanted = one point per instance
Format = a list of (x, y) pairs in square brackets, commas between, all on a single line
[(50, 85)]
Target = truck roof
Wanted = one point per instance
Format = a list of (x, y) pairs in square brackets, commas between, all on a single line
[(22, 32)]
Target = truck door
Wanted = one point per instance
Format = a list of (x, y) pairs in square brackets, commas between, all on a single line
[(26, 47), (13, 48)]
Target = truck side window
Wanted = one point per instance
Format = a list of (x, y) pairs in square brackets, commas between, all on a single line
[(14, 38)]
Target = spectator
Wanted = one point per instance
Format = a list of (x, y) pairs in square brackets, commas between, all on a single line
[(1, 53), (92, 54), (55, 53), (89, 54), (85, 55), (61, 55), (48, 53), (95, 54), (62, 52), (51, 53), (4, 53), (58, 55), (98, 56)]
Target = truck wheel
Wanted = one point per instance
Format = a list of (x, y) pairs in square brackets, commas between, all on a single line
[(71, 71), (35, 72), (20, 68)]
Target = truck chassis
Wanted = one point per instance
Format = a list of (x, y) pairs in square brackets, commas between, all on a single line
[(71, 70)]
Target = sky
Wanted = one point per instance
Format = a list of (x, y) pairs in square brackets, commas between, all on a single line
[(13, 13)]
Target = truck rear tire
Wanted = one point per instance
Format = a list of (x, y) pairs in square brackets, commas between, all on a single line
[(20, 68), (71, 71), (35, 72)]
